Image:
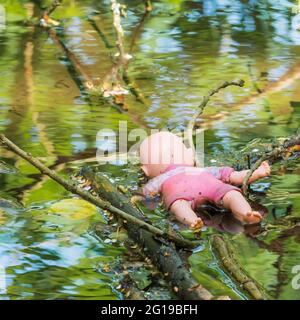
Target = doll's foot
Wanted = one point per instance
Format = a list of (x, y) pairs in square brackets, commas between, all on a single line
[(263, 171), (196, 225), (251, 217)]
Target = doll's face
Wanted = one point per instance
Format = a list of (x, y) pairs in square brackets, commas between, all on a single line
[(162, 149)]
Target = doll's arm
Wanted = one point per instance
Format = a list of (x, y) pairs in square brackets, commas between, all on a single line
[(152, 187), (237, 177), (185, 214)]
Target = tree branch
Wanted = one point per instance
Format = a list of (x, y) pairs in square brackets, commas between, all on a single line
[(68, 185), (205, 100), (52, 7), (148, 5), (45, 19), (117, 12)]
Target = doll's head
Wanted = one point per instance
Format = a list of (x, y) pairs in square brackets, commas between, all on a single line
[(162, 149)]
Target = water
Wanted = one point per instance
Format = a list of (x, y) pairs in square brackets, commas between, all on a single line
[(182, 50)]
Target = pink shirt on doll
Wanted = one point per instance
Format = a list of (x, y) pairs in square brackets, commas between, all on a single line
[(198, 185)]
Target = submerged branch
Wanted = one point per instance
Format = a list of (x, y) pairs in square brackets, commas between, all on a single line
[(68, 185), (234, 269), (163, 255)]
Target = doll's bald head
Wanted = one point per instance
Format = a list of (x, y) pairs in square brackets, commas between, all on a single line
[(162, 149)]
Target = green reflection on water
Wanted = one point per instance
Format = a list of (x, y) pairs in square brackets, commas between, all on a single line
[(182, 51)]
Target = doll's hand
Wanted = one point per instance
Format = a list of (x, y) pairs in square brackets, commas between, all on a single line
[(251, 217)]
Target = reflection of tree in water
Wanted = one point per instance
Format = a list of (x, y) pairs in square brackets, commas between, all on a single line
[(280, 245), (226, 30)]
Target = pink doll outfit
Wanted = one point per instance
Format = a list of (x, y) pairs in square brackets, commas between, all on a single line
[(197, 185)]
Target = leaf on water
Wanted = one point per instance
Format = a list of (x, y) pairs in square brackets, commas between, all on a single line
[(74, 208)]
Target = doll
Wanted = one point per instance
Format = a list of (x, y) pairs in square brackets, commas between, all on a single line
[(171, 166)]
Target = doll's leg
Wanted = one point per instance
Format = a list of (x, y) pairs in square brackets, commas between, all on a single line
[(237, 177), (239, 206), (185, 214)]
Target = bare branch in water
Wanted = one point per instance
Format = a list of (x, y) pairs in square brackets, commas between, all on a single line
[(148, 5), (112, 82), (45, 19), (118, 11), (101, 34), (105, 205), (52, 7), (94, 86), (122, 68), (205, 100)]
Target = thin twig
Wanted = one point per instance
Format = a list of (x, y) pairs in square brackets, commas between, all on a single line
[(205, 100), (123, 66), (70, 186), (117, 12), (52, 7), (45, 19), (112, 82), (148, 5)]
